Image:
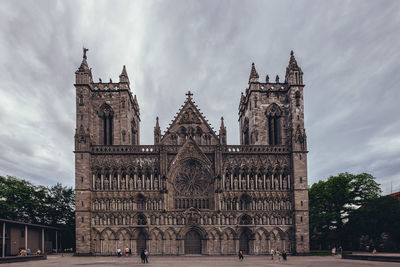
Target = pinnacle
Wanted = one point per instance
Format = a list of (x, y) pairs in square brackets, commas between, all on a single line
[(253, 73)]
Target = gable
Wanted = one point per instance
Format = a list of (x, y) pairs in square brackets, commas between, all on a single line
[(189, 122)]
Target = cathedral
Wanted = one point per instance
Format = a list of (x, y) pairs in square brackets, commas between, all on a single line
[(190, 192)]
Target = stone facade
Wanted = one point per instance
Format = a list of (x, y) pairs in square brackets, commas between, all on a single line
[(190, 192)]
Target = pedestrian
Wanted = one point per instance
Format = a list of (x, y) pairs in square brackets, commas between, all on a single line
[(284, 255), (142, 256), (240, 254), (130, 252), (272, 254), (374, 251), (333, 251), (126, 252), (118, 252), (278, 253), (146, 256)]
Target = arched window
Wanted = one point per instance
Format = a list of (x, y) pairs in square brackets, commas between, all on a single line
[(297, 96), (141, 202), (134, 132), (245, 201), (245, 220), (106, 117), (246, 135), (141, 219), (274, 124)]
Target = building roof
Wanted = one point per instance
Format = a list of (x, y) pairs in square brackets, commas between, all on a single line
[(30, 224)]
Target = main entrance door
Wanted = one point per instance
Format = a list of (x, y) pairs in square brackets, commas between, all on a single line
[(244, 243), (141, 243), (192, 243)]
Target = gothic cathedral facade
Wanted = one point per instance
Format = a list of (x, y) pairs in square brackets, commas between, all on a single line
[(190, 192)]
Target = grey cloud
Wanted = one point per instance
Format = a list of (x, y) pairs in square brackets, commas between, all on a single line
[(348, 52)]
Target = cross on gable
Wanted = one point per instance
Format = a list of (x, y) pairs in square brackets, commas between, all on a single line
[(189, 94)]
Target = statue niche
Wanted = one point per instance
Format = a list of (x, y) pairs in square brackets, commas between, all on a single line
[(192, 179)]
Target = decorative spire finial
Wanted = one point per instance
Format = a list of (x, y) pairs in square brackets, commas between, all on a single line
[(267, 79), (84, 52), (277, 79), (189, 95)]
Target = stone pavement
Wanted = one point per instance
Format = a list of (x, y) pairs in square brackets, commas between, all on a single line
[(208, 261)]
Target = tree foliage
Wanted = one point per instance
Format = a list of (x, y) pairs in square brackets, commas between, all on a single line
[(377, 217), (332, 201), (53, 206)]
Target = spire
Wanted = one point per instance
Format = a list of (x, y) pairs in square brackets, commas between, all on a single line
[(157, 133), (277, 79), (267, 79), (253, 74), (222, 132), (294, 74), (292, 62), (222, 123), (123, 78), (84, 74)]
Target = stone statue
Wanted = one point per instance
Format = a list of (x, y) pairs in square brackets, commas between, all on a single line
[(251, 183), (98, 184), (227, 183), (276, 184), (114, 184), (285, 183), (148, 184), (106, 184), (243, 183), (156, 183), (260, 184), (131, 184), (236, 184), (139, 183)]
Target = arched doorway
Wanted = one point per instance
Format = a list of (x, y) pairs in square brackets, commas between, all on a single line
[(141, 242), (192, 243), (244, 242)]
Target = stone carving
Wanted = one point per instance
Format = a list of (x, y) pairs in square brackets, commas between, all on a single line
[(188, 117)]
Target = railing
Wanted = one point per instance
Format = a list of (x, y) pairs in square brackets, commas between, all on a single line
[(124, 149), (255, 149)]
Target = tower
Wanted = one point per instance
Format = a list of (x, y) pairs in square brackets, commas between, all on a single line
[(106, 114), (272, 114)]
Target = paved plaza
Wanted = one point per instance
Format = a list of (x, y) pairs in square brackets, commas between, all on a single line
[(209, 261)]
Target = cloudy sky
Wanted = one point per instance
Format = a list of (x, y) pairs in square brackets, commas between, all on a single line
[(349, 52)]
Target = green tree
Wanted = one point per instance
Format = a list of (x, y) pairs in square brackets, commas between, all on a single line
[(332, 201), (54, 206), (376, 217)]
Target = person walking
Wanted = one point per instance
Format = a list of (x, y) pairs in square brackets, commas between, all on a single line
[(284, 255), (272, 254), (240, 254), (146, 254), (278, 253), (142, 256)]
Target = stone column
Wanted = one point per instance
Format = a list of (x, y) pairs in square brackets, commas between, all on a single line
[(26, 236), (94, 182), (265, 184), (240, 181), (43, 240), (118, 181), (223, 182), (232, 181), (248, 181), (3, 241), (288, 182), (102, 181), (256, 181), (280, 181), (272, 181)]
